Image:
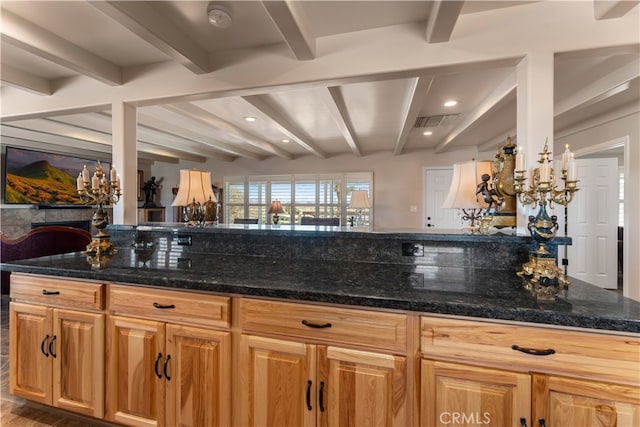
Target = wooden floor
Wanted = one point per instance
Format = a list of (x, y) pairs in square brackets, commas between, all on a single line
[(16, 412)]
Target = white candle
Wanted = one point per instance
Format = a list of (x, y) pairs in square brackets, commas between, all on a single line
[(118, 181), (85, 174), (572, 172), (566, 156), (80, 182), (95, 181), (113, 174), (520, 159), (545, 172)]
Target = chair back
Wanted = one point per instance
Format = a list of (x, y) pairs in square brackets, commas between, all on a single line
[(245, 221), (309, 220), (41, 241)]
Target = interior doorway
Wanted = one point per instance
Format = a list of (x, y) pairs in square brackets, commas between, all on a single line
[(436, 183), (617, 148)]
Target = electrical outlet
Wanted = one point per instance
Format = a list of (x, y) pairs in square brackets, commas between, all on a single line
[(412, 249), (184, 240)]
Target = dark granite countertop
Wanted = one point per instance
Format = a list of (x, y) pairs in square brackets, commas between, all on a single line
[(476, 292)]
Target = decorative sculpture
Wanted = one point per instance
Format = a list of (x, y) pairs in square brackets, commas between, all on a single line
[(542, 277), (97, 190)]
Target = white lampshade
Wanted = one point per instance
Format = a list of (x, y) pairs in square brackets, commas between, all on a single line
[(194, 184), (359, 199), (466, 177)]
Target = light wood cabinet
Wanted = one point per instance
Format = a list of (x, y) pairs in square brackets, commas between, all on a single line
[(456, 394), (524, 375), (286, 381), (570, 402), (57, 354), (165, 373)]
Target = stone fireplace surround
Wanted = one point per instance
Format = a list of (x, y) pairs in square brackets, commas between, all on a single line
[(17, 220)]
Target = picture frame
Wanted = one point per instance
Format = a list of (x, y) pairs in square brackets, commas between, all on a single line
[(140, 185)]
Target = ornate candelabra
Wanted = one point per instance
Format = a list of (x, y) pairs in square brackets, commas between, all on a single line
[(96, 190), (542, 277)]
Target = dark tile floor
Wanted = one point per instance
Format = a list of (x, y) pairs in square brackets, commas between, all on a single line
[(17, 412)]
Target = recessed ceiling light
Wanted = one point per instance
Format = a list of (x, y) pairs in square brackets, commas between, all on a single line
[(451, 103), (249, 119), (427, 132), (285, 141)]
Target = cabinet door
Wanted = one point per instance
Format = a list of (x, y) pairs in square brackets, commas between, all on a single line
[(277, 383), (135, 383), (197, 374), (31, 366), (78, 361), (571, 402), (358, 388), (455, 394)]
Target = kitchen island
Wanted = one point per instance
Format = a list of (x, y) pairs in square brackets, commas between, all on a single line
[(349, 327), (458, 274)]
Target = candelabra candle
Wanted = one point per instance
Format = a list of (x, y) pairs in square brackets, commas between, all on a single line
[(96, 190), (542, 277)]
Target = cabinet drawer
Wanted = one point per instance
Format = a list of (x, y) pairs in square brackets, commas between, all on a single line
[(57, 292), (175, 306), (352, 326), (612, 358)]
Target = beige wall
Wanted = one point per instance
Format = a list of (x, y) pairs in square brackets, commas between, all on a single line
[(397, 180)]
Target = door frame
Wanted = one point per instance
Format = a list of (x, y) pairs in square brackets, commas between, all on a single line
[(608, 145)]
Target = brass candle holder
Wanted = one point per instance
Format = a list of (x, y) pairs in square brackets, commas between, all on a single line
[(97, 190), (542, 277)]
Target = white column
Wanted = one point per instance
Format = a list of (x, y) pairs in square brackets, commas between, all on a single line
[(124, 122), (534, 120)]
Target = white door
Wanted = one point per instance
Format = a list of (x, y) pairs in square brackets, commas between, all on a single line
[(436, 187), (592, 219)]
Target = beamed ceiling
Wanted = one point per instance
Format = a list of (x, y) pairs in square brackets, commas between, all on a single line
[(49, 49)]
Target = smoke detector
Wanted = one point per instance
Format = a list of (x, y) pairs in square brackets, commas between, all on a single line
[(219, 16)]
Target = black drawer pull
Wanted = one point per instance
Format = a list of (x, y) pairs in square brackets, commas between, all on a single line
[(46, 292), (523, 422), (42, 345), (163, 306), (315, 325), (321, 397), (309, 407), (53, 340), (158, 374), (534, 351), (166, 363)]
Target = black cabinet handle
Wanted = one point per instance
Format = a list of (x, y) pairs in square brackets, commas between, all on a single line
[(46, 292), (534, 351), (42, 344), (523, 422), (316, 325), (309, 407), (164, 369), (321, 397), (53, 340), (162, 306), (158, 374), (541, 422)]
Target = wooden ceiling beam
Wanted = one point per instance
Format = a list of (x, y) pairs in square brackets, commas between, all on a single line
[(142, 19), (292, 26), (29, 37)]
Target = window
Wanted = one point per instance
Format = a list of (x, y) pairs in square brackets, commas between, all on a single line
[(320, 196)]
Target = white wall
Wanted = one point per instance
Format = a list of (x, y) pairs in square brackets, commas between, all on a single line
[(397, 179)]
